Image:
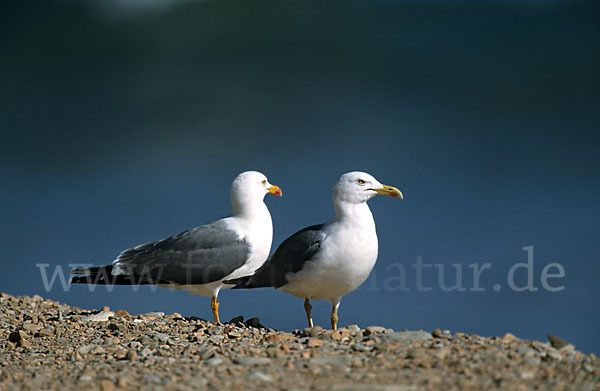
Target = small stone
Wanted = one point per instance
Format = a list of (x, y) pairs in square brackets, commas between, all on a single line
[(112, 341), (533, 361), (361, 348), (237, 319), (206, 353), (146, 352), (437, 333), (107, 385), (557, 342), (28, 326), (254, 322), (259, 376), (151, 315), (24, 343), (272, 338), (74, 356), (161, 337), (313, 331), (86, 349), (509, 338), (373, 330), (526, 375), (131, 355), (85, 378), (16, 336), (277, 350), (44, 333), (98, 350), (340, 334), (105, 309), (442, 353), (121, 314), (99, 317), (553, 354), (213, 362), (314, 343), (587, 367), (252, 361), (353, 328)]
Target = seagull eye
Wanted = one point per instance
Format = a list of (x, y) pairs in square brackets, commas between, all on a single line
[(264, 181), (361, 182)]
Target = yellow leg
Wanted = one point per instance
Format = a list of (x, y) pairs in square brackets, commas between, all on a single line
[(334, 317), (214, 304), (307, 308)]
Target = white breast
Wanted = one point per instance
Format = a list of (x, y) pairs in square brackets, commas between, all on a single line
[(347, 256), (258, 231)]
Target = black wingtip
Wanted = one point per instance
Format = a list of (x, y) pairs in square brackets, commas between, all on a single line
[(92, 270)]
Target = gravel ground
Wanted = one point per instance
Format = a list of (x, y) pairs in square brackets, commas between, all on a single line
[(47, 345)]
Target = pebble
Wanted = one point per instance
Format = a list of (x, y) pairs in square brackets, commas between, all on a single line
[(214, 361), (314, 343), (259, 376), (252, 361), (206, 353), (361, 348), (28, 326), (509, 338), (102, 316), (16, 336), (557, 342), (131, 355), (373, 330), (553, 354), (313, 331), (86, 349), (47, 345), (150, 315), (121, 313), (353, 328)]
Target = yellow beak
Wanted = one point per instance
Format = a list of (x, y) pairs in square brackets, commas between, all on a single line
[(389, 191), (275, 190)]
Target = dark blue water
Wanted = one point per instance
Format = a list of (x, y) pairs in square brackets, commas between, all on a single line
[(125, 126)]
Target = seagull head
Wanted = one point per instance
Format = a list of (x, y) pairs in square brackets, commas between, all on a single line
[(250, 187), (357, 187)]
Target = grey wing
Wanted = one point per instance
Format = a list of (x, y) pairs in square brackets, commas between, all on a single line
[(290, 257), (197, 256)]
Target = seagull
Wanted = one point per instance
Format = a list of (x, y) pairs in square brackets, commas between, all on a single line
[(199, 259), (327, 261)]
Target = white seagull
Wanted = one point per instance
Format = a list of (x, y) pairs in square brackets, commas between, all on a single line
[(199, 259), (327, 261)]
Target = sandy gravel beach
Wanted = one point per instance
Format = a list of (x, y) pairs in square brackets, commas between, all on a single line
[(48, 345)]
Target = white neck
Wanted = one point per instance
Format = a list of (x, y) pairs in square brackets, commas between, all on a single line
[(352, 213), (249, 208)]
